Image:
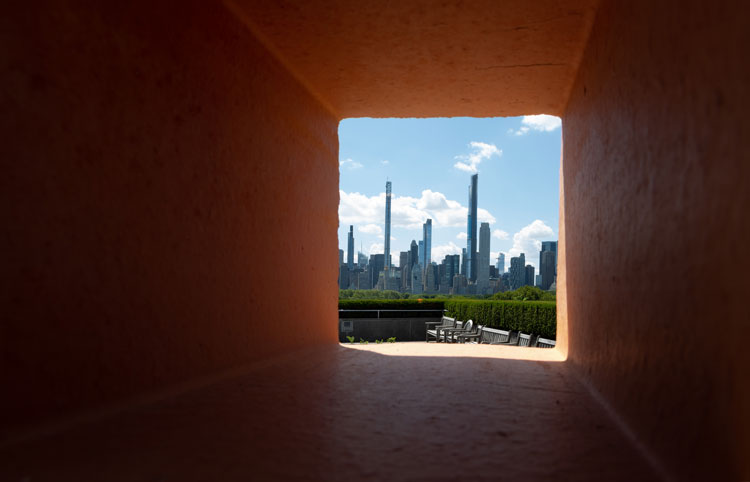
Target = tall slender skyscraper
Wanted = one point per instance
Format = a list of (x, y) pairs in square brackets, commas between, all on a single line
[(427, 240), (471, 230), (387, 253), (483, 260), (350, 252), (500, 263)]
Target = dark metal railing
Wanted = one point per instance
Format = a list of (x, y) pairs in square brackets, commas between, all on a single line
[(391, 313)]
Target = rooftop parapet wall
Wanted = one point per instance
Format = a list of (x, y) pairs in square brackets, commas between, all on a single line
[(163, 176), (655, 203)]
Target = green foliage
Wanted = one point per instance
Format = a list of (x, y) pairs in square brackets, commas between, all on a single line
[(410, 304), (395, 295), (526, 293), (378, 341), (362, 341), (537, 317), (369, 295), (392, 339), (350, 338)]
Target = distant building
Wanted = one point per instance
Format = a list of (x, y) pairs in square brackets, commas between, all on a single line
[(413, 254), (550, 246), (427, 242), (416, 279), (547, 269), (471, 230), (361, 260), (363, 280), (387, 244), (420, 259), (430, 278), (341, 257), (343, 277), (483, 260), (517, 271), (529, 278), (464, 262), (350, 250), (500, 263), (459, 284), (377, 263)]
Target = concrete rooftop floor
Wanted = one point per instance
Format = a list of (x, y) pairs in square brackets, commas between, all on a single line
[(403, 411)]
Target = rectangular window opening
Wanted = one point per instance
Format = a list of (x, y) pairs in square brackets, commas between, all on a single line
[(449, 217)]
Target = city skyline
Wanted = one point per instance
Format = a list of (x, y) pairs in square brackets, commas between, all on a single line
[(520, 216)]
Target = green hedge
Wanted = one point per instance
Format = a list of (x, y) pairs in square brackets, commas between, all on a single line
[(537, 317), (354, 304)]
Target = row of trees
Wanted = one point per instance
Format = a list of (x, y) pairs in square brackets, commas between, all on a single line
[(524, 293)]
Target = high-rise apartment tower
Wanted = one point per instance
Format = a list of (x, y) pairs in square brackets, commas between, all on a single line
[(350, 249), (471, 230), (387, 244), (483, 260), (427, 241)]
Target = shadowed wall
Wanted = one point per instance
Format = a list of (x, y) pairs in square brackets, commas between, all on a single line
[(655, 174), (165, 176), (164, 181)]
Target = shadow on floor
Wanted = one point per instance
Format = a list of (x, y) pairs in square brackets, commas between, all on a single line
[(340, 413)]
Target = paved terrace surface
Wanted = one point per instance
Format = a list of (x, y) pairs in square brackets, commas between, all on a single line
[(403, 411)]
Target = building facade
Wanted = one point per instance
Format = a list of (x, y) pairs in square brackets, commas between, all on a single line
[(483, 260)]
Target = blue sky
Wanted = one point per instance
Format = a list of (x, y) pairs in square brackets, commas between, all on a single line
[(430, 162)]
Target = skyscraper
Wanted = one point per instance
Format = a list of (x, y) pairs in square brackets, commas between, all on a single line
[(483, 260), (427, 241), (471, 230), (376, 267), (404, 267), (548, 246), (547, 269), (341, 257), (350, 252), (421, 253), (500, 263), (413, 254), (517, 271), (387, 252), (529, 275)]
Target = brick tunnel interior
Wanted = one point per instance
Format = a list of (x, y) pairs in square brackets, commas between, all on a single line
[(165, 167)]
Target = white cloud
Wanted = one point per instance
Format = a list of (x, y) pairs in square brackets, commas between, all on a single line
[(482, 151), (376, 248), (370, 229), (440, 252), (541, 123), (500, 234), (529, 241), (349, 164), (406, 212), (462, 235), (385, 162)]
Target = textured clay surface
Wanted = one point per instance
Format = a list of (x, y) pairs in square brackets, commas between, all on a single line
[(426, 58), (159, 170), (656, 199), (404, 411)]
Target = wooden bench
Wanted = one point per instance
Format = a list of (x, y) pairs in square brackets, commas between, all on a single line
[(524, 340), (445, 322), (545, 343), (488, 335), (465, 328)]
